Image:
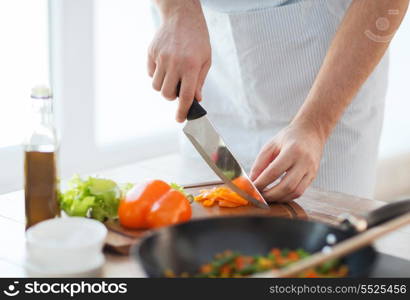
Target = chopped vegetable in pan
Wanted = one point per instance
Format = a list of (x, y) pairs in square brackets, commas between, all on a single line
[(230, 264)]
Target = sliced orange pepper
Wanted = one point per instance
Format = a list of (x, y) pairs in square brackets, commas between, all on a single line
[(223, 203), (233, 197), (208, 202), (222, 196)]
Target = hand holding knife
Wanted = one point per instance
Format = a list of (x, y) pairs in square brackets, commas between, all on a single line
[(216, 154)]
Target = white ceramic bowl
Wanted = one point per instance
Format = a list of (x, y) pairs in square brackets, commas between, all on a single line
[(61, 246)]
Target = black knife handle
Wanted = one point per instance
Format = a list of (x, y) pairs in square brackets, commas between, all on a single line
[(196, 110)]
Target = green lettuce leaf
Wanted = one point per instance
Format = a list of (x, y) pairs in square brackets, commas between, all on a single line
[(93, 197)]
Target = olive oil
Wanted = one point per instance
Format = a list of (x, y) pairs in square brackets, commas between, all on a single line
[(40, 160), (40, 186)]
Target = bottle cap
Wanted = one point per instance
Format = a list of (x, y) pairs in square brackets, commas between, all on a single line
[(41, 92)]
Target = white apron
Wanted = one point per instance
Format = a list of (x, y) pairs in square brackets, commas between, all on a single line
[(265, 59)]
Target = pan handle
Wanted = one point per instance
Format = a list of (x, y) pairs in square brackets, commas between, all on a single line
[(375, 217), (387, 212)]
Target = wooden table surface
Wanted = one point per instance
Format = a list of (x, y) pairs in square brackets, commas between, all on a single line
[(318, 205)]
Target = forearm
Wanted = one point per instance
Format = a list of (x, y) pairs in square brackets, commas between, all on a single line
[(351, 58)]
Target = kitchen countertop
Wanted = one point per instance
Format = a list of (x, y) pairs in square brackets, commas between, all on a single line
[(319, 205)]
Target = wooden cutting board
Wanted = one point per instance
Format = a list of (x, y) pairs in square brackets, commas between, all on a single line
[(120, 240)]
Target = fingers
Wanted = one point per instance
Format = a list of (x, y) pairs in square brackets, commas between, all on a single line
[(151, 65), (167, 83), (169, 87), (300, 189), (296, 165), (267, 154), (201, 79), (191, 78), (186, 95), (159, 76), (274, 170), (286, 189)]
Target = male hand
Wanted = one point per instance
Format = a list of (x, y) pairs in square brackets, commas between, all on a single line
[(180, 53), (293, 155)]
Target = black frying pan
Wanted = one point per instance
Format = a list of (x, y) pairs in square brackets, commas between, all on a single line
[(185, 247)]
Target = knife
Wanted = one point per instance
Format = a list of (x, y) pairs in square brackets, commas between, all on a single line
[(219, 158)]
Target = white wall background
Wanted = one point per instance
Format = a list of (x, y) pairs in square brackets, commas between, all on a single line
[(396, 131), (393, 174)]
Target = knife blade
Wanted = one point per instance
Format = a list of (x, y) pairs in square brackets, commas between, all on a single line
[(219, 158)]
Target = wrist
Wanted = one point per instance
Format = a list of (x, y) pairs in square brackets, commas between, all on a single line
[(314, 126), (170, 8)]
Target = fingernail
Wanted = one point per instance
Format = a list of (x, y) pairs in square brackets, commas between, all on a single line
[(252, 175)]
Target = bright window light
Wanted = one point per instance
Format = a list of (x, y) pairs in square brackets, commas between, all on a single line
[(23, 62), (126, 105)]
